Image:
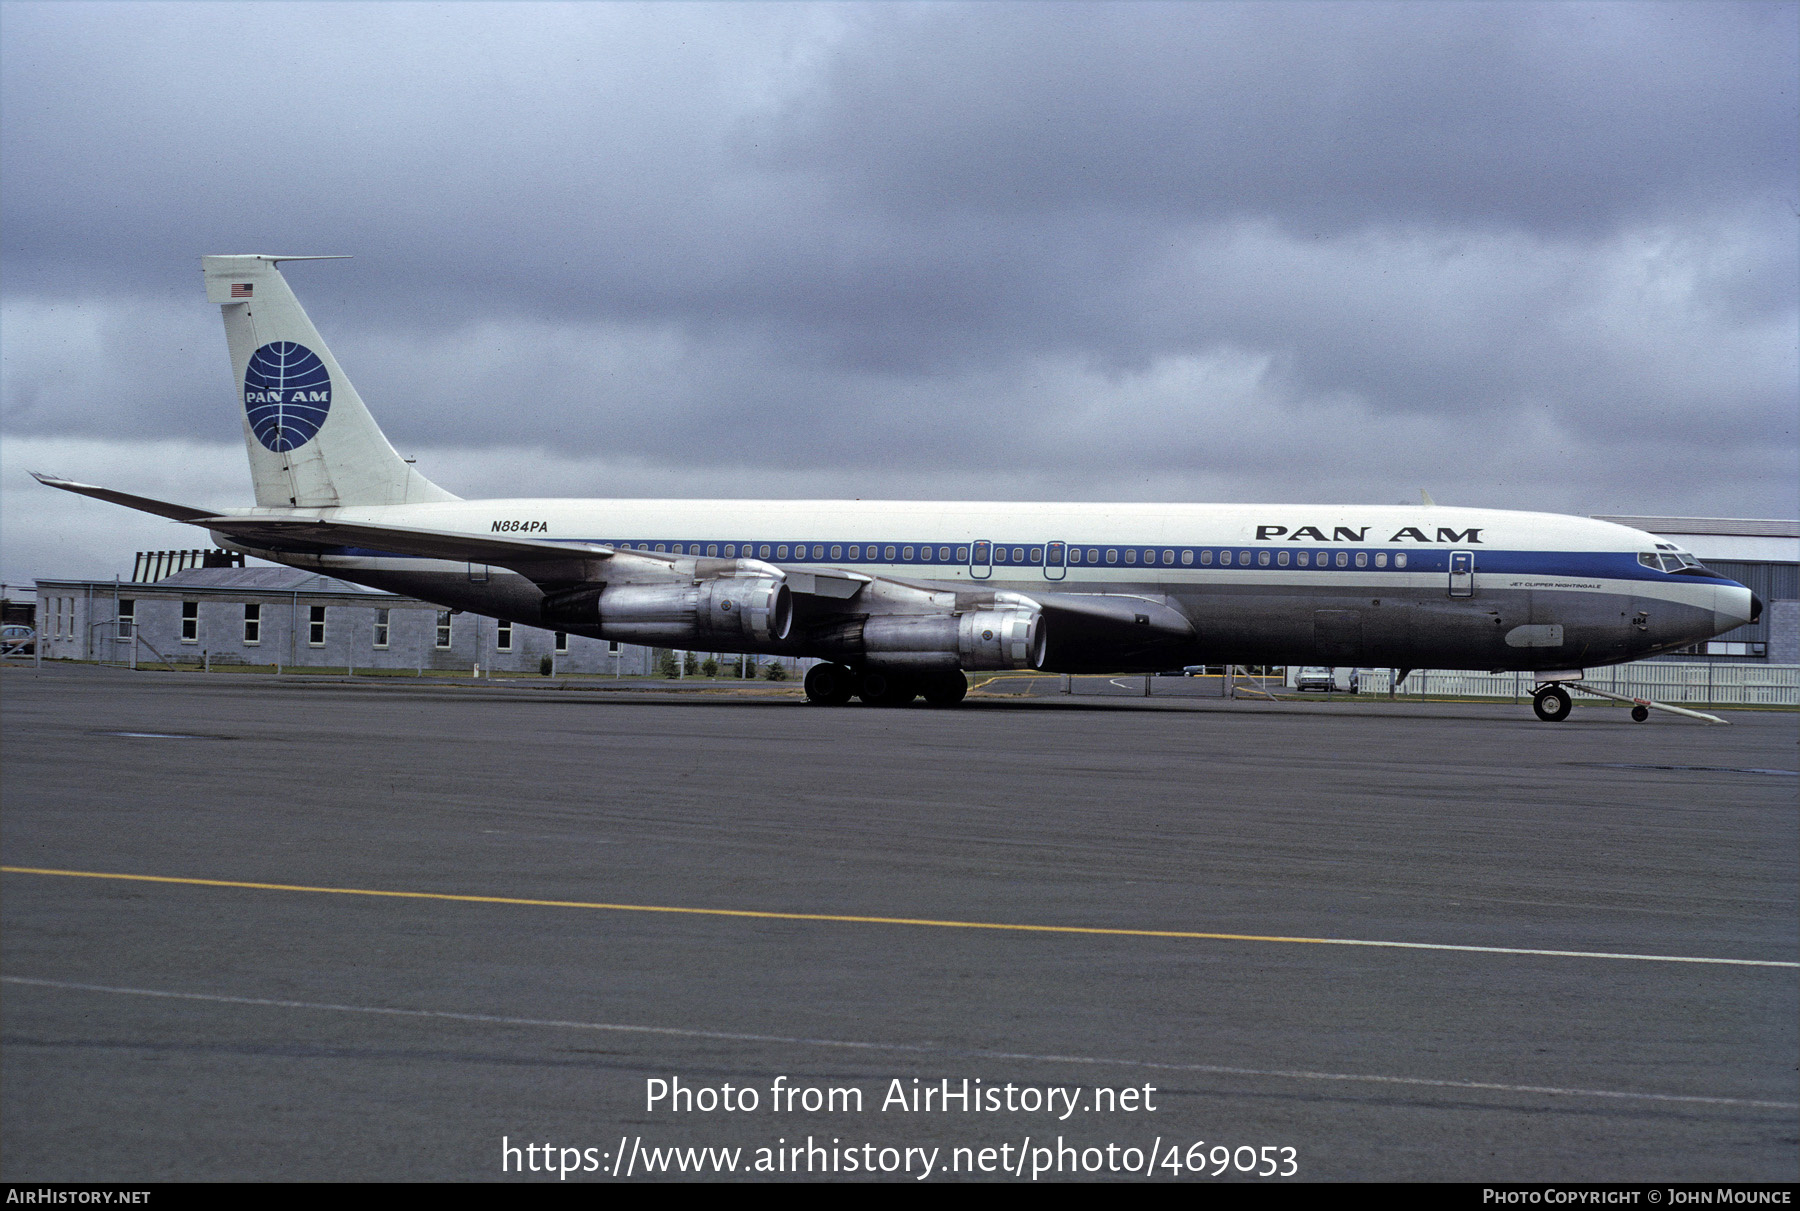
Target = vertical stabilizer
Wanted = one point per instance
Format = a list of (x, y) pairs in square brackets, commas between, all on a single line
[(312, 442)]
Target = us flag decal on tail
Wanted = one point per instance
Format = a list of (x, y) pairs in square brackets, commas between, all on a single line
[(241, 290)]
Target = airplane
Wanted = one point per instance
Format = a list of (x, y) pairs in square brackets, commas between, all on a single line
[(899, 599)]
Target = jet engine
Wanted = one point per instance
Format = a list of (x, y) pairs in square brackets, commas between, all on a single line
[(727, 613), (978, 639)]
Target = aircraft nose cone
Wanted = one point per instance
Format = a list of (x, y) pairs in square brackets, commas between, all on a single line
[(1736, 606)]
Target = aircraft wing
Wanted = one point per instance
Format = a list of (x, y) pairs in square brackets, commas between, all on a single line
[(316, 534)]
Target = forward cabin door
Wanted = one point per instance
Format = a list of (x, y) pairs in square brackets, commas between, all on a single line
[(1462, 573), (1055, 560)]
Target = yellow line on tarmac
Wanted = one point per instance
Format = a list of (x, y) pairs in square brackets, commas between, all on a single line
[(858, 920)]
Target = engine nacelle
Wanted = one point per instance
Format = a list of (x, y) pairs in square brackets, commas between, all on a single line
[(729, 612), (1002, 639), (979, 639)]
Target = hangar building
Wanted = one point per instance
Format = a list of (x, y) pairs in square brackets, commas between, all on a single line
[(1760, 553)]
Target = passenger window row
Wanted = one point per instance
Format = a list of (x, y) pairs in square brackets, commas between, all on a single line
[(1034, 556)]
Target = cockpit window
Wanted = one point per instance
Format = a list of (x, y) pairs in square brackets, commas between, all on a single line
[(1671, 560)]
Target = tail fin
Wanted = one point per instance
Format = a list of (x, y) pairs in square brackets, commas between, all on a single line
[(312, 442)]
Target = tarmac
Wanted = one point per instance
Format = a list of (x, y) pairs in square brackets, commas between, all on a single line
[(303, 928)]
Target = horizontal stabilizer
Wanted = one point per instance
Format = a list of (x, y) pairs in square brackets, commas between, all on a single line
[(161, 508)]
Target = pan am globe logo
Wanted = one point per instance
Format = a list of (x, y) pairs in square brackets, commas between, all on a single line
[(287, 393)]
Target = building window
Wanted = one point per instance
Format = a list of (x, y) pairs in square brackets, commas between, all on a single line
[(190, 622), (614, 647), (315, 626), (443, 628), (252, 623), (381, 628), (127, 617), (503, 635), (562, 641)]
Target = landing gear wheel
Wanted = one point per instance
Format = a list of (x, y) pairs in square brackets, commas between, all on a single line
[(1640, 713), (1551, 703), (884, 689), (946, 689), (829, 684)]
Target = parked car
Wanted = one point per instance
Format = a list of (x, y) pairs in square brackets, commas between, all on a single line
[(17, 639), (1316, 679)]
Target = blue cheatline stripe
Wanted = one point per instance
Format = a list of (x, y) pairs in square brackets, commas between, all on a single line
[(1591, 565)]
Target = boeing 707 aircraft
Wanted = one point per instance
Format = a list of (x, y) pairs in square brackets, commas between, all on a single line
[(901, 598)]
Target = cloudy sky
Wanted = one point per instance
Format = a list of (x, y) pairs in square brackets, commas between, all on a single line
[(1532, 256)]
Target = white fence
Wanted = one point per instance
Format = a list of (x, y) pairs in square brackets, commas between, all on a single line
[(1681, 684)]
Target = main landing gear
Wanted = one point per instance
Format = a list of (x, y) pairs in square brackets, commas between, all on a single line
[(829, 684), (836, 684)]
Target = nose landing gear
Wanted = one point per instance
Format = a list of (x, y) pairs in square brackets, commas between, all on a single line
[(1552, 703)]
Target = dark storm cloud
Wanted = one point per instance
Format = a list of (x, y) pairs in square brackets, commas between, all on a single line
[(1551, 118), (1288, 250)]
